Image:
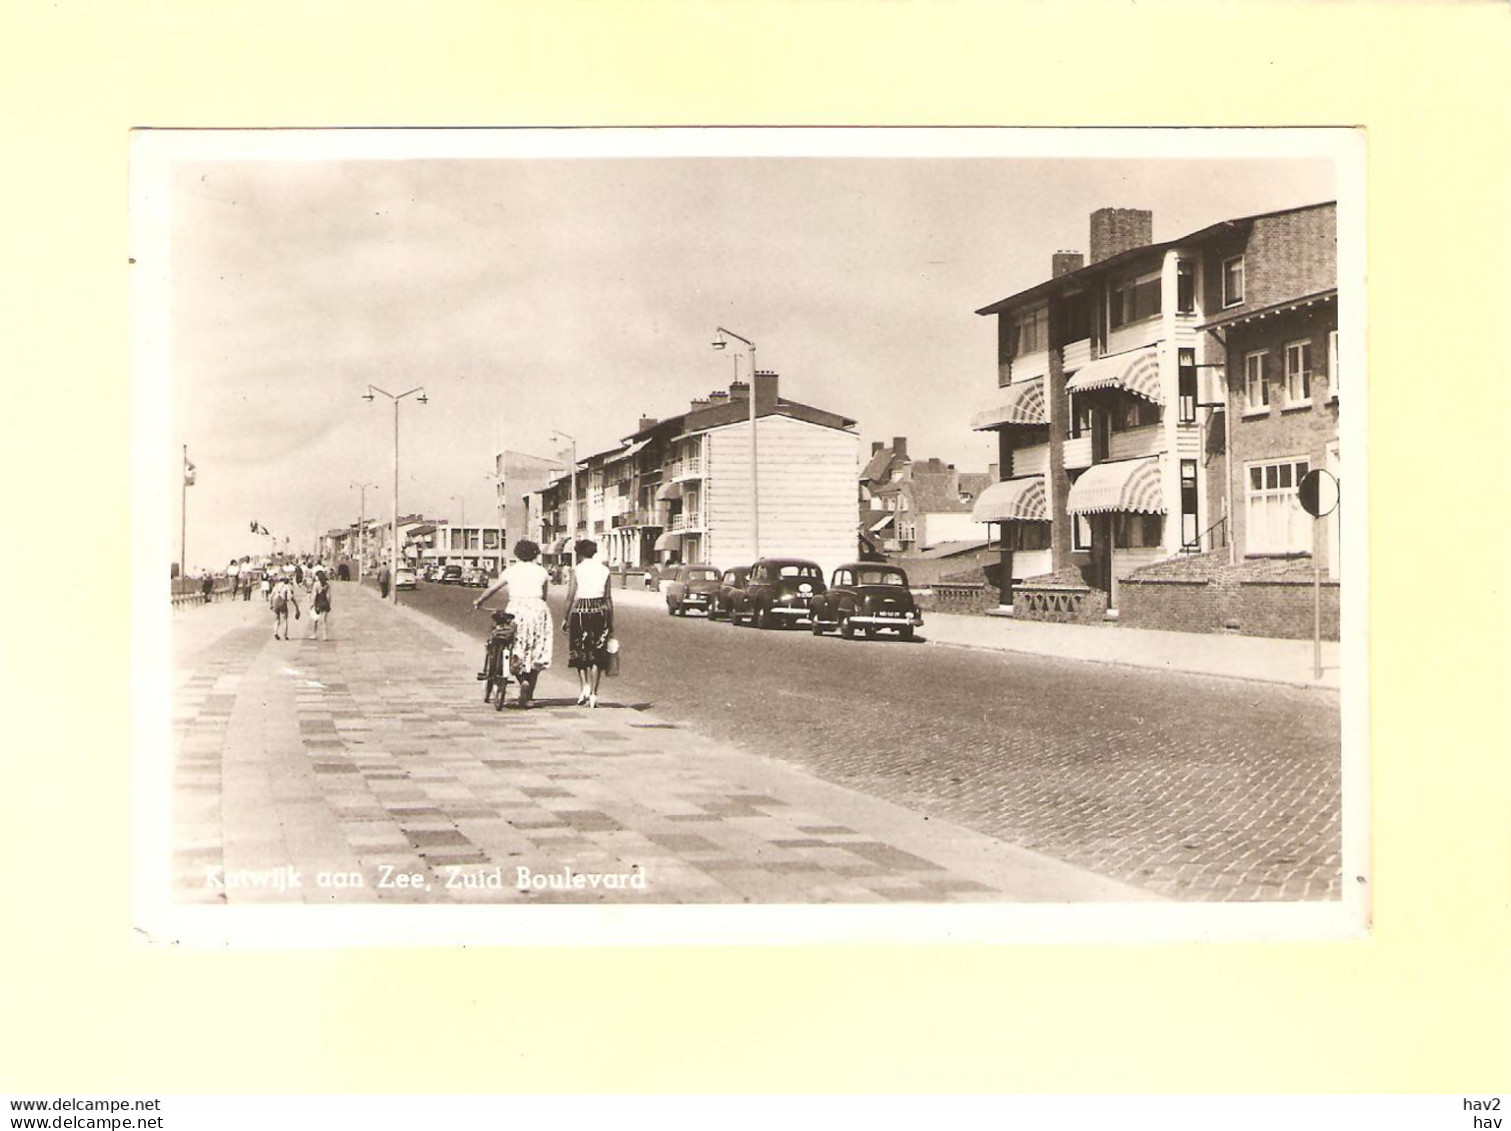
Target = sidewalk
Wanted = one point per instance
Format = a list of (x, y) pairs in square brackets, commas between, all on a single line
[(1234, 657), (373, 757)]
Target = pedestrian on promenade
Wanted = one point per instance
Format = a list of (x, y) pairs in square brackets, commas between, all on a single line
[(233, 571), (207, 586), (383, 582), (282, 596), (526, 582), (267, 583), (320, 606), (589, 620), (247, 573)]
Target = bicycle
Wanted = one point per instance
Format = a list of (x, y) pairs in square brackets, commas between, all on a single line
[(496, 654)]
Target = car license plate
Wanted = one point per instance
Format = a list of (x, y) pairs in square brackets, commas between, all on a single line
[(890, 613)]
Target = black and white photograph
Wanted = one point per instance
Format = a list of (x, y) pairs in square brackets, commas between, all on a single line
[(884, 533)]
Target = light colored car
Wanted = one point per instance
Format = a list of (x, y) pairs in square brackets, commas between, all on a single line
[(405, 579)]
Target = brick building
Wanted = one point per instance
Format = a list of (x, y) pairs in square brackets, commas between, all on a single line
[(1161, 402)]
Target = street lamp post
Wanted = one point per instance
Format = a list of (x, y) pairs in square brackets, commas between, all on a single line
[(572, 507), (362, 527), (396, 398), (755, 496)]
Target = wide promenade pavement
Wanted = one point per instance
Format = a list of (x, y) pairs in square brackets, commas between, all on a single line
[(373, 755)]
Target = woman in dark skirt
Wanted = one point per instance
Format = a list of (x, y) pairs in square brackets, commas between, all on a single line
[(589, 620)]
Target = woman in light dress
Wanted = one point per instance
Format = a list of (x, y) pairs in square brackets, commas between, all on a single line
[(589, 620), (526, 582)]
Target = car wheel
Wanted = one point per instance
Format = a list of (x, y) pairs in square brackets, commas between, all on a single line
[(846, 629), (906, 632), (818, 627), (870, 634), (762, 618)]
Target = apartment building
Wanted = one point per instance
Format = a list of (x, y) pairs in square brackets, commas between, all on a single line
[(680, 489), (1126, 436)]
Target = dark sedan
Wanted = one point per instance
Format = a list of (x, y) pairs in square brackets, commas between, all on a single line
[(731, 589), (869, 597), (777, 592), (691, 587)]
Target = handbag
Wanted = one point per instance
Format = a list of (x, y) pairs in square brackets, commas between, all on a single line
[(612, 648)]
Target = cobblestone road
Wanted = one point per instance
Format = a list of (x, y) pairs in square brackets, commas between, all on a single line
[(1192, 787)]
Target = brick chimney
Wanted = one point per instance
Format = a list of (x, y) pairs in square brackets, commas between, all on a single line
[(1115, 230), (900, 447), (646, 422), (738, 390), (876, 447), (1064, 262), (697, 403), (718, 396), (765, 390)]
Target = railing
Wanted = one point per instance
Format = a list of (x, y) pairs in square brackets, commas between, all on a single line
[(193, 595), (687, 468), (1213, 537), (687, 520)]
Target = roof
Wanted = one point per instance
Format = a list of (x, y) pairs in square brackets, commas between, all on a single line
[(880, 465), (972, 483), (1073, 278), (950, 549), (1274, 308), (733, 412)]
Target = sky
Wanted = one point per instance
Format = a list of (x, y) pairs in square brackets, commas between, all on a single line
[(532, 294)]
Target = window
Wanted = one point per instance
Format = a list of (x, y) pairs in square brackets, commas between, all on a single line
[(1137, 531), (841, 577), (1185, 287), (1332, 364), (1298, 373), (1025, 535), (1187, 375), (1079, 416), (1073, 317), (1031, 332), (490, 539), (1135, 412), (1255, 392), (1133, 300), (1080, 533), (1274, 520), (458, 541), (1232, 281), (1188, 530)]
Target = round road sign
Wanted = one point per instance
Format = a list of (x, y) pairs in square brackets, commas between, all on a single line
[(1318, 492)]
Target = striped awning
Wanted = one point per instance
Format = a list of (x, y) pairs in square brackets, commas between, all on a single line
[(1136, 372), (667, 541), (1129, 485), (627, 451), (1013, 500), (881, 524), (1022, 404), (668, 492)]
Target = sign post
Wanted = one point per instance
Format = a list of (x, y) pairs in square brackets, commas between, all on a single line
[(1318, 494)]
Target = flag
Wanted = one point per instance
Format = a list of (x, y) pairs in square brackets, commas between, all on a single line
[(188, 473), (257, 527)]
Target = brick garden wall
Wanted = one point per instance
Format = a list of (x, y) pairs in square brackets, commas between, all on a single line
[(1203, 593)]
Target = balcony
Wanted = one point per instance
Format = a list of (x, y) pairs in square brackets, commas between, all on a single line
[(691, 468), (687, 520), (1078, 453), (1077, 354)]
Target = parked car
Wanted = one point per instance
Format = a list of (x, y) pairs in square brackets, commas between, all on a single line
[(777, 591), (691, 587), (476, 578), (404, 578), (731, 586), (867, 596), (451, 575)]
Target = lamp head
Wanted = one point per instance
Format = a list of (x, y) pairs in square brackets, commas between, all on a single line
[(719, 342), (423, 399), (368, 396)]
